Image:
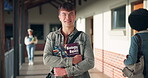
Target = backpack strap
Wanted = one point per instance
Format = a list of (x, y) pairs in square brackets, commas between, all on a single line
[(139, 47), (74, 37)]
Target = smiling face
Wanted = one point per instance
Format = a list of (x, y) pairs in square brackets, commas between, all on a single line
[(30, 32), (67, 18), (67, 14)]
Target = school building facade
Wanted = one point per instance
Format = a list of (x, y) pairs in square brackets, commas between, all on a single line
[(105, 21)]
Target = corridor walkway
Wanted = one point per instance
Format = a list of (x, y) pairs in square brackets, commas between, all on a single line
[(39, 70)]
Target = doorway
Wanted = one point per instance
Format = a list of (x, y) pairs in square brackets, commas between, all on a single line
[(89, 28), (136, 5)]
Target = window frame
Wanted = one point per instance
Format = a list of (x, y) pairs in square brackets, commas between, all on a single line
[(42, 31), (54, 27), (117, 27)]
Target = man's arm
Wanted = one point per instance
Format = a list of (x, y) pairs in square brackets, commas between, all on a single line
[(133, 51), (87, 62), (50, 59), (62, 71)]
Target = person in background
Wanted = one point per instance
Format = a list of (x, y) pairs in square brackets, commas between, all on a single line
[(68, 67), (138, 20), (30, 42)]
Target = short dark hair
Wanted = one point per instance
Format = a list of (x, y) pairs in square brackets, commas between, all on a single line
[(67, 6), (138, 19)]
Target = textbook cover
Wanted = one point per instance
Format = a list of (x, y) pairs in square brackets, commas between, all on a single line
[(69, 50)]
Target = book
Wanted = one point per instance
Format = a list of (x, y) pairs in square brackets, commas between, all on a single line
[(72, 49), (69, 50)]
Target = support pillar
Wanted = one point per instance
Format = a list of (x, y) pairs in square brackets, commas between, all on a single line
[(16, 36), (22, 35), (2, 40)]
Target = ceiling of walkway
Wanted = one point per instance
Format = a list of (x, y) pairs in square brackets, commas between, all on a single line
[(55, 3), (34, 3)]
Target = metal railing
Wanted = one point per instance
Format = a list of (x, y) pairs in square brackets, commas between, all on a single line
[(9, 63)]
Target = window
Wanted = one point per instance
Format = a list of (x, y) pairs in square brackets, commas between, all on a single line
[(38, 30), (9, 30), (118, 17), (54, 27), (8, 36)]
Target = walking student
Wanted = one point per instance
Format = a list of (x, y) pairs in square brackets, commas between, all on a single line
[(30, 42)]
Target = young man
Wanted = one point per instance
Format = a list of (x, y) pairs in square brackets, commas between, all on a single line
[(68, 67)]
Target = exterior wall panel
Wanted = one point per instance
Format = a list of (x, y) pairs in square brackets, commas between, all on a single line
[(110, 46)]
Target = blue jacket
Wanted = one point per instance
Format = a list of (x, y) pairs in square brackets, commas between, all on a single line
[(133, 52)]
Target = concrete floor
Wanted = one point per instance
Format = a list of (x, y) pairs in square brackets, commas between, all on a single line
[(38, 70)]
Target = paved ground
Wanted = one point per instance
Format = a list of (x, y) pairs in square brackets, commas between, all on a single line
[(38, 70)]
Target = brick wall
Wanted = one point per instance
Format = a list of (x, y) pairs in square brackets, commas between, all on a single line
[(39, 47), (110, 63), (98, 60)]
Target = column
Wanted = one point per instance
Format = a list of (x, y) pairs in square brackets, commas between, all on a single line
[(16, 36), (2, 40)]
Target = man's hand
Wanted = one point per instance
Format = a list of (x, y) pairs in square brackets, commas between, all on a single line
[(60, 71), (77, 59)]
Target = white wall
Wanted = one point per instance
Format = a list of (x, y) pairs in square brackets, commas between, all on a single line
[(98, 31), (104, 38), (146, 4), (49, 16), (80, 24)]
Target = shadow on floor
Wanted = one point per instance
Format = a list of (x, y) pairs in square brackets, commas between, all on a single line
[(39, 70)]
